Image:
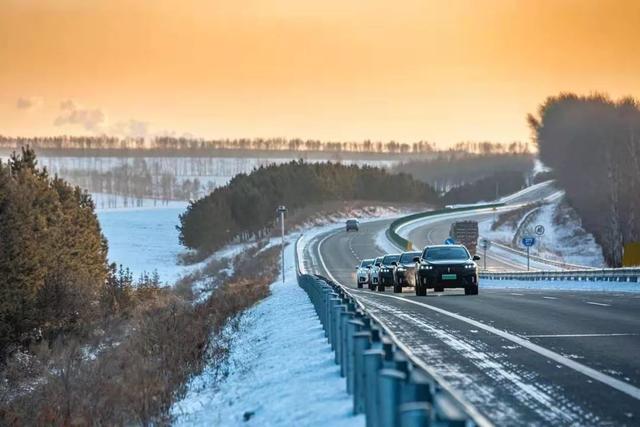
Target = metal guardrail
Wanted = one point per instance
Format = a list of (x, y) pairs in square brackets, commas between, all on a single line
[(591, 275), (404, 243), (391, 386), (559, 264)]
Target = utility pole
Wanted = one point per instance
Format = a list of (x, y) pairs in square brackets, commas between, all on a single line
[(282, 210)]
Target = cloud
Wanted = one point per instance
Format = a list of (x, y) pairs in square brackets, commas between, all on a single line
[(131, 128), (91, 119), (29, 103)]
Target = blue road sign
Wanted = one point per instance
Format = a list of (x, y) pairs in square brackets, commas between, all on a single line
[(449, 241), (528, 241)]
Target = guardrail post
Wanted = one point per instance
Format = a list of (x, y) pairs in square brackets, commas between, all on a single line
[(390, 389), (361, 343), (335, 329), (415, 414), (343, 336), (420, 387), (372, 365), (353, 327), (333, 302)]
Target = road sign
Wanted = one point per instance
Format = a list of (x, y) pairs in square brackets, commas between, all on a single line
[(528, 241), (449, 241), (539, 230), (485, 243)]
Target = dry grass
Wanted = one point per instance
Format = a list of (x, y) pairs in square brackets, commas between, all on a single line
[(164, 341)]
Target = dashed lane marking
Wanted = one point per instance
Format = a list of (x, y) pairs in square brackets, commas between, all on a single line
[(578, 335), (612, 382), (549, 297), (598, 303)]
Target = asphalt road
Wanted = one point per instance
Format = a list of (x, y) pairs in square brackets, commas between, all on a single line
[(522, 357)]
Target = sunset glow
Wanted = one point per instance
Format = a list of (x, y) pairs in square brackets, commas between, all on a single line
[(443, 71)]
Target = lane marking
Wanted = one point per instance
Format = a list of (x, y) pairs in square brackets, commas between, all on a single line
[(579, 335), (558, 358), (549, 297), (518, 295), (598, 303)]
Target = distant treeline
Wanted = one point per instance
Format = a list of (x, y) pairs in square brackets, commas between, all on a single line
[(197, 145), (247, 205), (593, 145), (485, 189), (456, 168), (93, 145)]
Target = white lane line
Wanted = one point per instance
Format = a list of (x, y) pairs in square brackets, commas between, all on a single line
[(598, 303), (518, 295), (549, 297), (558, 358), (578, 335)]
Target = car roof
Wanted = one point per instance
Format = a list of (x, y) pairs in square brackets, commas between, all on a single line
[(444, 246), (386, 255)]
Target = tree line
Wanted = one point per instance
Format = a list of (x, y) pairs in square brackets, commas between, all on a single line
[(54, 274), (456, 168), (247, 205), (488, 188), (183, 144), (592, 143)]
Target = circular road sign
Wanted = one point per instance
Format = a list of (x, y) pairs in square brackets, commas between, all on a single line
[(528, 241), (485, 243), (449, 241), (539, 230)]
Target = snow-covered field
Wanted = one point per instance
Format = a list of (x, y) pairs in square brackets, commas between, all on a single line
[(145, 239), (280, 371)]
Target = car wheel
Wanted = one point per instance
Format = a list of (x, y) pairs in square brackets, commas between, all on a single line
[(359, 285), (438, 289), (397, 289), (421, 290), (380, 287), (471, 290)]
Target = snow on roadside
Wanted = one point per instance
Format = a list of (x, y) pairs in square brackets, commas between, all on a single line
[(280, 370)]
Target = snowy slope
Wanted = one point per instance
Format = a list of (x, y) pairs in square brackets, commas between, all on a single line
[(280, 370)]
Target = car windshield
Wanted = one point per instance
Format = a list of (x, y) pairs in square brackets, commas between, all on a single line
[(445, 253), (378, 260), (408, 257), (351, 221), (366, 262), (387, 260)]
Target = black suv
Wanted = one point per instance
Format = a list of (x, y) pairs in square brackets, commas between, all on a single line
[(404, 270), (385, 273), (446, 266)]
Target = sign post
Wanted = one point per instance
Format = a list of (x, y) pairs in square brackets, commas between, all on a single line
[(484, 244), (282, 210), (528, 241)]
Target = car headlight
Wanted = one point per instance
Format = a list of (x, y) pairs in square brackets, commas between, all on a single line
[(426, 267), (470, 266), (401, 269)]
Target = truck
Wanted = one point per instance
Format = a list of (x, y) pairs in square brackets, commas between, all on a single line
[(465, 233)]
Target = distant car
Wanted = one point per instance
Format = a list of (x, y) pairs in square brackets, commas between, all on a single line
[(446, 266), (374, 273), (353, 224), (404, 271), (362, 272), (385, 273)]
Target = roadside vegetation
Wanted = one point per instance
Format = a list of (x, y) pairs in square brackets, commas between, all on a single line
[(245, 208), (82, 340), (592, 143), (488, 188)]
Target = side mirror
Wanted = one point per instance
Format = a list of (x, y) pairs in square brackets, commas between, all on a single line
[(377, 264), (476, 258), (416, 259), (394, 263), (357, 267)]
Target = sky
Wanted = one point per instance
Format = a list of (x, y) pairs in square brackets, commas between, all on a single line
[(403, 70)]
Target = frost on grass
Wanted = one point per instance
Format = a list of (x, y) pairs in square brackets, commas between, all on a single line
[(280, 370)]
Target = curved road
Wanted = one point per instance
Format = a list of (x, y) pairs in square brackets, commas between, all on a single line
[(521, 357)]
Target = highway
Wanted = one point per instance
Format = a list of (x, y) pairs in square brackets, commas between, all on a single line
[(521, 357)]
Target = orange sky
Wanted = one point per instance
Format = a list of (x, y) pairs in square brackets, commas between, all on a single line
[(443, 71)]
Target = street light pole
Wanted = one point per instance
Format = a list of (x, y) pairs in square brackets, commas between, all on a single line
[(282, 210)]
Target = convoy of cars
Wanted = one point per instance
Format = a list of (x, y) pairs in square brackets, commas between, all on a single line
[(437, 267)]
